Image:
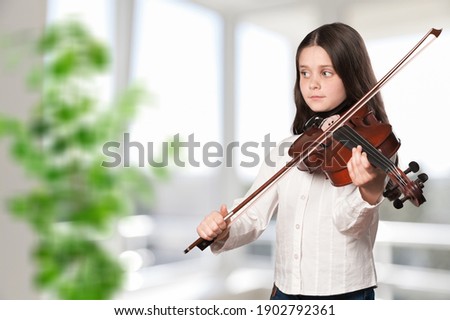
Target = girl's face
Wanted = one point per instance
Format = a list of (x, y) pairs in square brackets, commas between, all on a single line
[(320, 85)]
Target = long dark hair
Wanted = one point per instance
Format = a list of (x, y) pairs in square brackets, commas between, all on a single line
[(351, 62)]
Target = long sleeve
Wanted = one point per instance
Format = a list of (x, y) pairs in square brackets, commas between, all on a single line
[(255, 217), (324, 234), (352, 215)]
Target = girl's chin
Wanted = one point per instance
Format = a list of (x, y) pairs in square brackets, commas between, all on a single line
[(320, 109)]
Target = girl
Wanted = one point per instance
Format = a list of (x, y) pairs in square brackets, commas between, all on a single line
[(324, 234)]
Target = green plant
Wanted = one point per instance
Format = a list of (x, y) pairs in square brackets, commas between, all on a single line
[(75, 201)]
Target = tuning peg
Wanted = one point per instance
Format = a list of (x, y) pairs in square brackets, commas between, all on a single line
[(423, 177), (412, 167), (398, 203)]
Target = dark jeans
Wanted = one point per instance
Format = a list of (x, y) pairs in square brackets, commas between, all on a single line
[(364, 294)]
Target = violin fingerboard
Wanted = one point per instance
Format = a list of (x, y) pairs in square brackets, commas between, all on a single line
[(351, 139)]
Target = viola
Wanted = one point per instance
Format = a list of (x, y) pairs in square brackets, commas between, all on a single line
[(327, 149)]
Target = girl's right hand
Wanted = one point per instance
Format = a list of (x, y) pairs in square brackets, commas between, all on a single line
[(214, 226)]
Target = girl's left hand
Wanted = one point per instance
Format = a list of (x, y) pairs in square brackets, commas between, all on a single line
[(369, 179)]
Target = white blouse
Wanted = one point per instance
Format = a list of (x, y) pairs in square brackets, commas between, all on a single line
[(324, 234)]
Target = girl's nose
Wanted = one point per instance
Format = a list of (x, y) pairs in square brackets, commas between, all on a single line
[(314, 84)]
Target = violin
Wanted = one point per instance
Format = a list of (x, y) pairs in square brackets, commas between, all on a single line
[(327, 148), (332, 155), (376, 139)]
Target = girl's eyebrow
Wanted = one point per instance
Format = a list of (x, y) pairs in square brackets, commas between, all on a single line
[(321, 66)]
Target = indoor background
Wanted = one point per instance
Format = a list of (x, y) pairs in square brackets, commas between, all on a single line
[(222, 72)]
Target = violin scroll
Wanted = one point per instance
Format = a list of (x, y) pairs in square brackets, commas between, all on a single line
[(400, 190)]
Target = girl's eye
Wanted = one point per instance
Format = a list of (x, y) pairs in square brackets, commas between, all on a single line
[(304, 74), (327, 73)]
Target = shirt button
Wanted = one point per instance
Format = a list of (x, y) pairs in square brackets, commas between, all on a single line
[(295, 256), (302, 197), (297, 226)]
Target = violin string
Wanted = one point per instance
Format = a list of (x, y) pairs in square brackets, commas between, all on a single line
[(389, 166), (370, 150), (352, 134)]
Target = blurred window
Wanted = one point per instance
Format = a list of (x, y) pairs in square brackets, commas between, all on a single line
[(265, 74), (95, 14), (416, 98), (177, 55)]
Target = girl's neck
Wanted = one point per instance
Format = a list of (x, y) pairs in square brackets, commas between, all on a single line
[(340, 108)]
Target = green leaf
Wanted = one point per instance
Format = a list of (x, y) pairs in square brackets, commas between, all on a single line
[(98, 56), (77, 268), (9, 126), (60, 147)]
